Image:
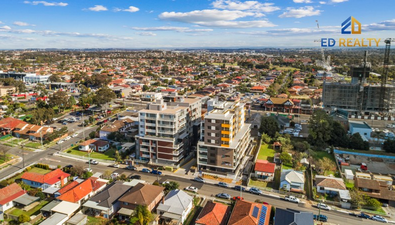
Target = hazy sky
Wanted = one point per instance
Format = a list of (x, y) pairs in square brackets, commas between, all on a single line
[(186, 23)]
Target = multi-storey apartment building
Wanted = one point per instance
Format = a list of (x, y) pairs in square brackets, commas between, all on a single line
[(166, 130), (225, 138)]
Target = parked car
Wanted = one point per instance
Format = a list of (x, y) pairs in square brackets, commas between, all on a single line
[(64, 123), (379, 218), (223, 184), (157, 172), (237, 198), (238, 187), (385, 204), (115, 165), (60, 142), (135, 176), (198, 179), (192, 189), (93, 162), (292, 199), (323, 206), (75, 135), (321, 218), (223, 195), (130, 167), (353, 214), (67, 138), (145, 170), (114, 175), (363, 215), (255, 191)]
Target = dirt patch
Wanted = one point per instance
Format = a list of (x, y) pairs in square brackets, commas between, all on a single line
[(226, 180), (392, 166), (377, 159)]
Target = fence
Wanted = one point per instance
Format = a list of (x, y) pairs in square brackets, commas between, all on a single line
[(5, 136)]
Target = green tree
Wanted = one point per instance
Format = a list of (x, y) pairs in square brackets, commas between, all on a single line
[(357, 142), (92, 134), (59, 99), (72, 101), (339, 135), (23, 218), (389, 146), (373, 203), (269, 126), (285, 157), (172, 185), (103, 95), (266, 138), (142, 215), (41, 90), (320, 128), (55, 78), (117, 156), (145, 88)]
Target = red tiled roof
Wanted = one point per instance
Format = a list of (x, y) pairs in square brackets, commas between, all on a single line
[(81, 190), (67, 187), (242, 213), (258, 88), (11, 123), (169, 90), (10, 193), (48, 178), (213, 214), (264, 166)]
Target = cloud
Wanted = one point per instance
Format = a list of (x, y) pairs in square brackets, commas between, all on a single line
[(300, 12), (247, 5), (207, 15), (338, 1), (22, 24), (238, 24), (381, 26), (302, 1), (146, 34), (98, 8), (1, 22), (5, 28), (44, 3), (322, 3), (177, 29), (130, 9)]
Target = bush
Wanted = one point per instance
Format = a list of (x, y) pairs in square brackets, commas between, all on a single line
[(42, 166), (156, 183), (23, 218), (373, 203), (266, 138)]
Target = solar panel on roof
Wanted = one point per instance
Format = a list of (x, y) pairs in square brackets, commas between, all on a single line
[(262, 217), (255, 212)]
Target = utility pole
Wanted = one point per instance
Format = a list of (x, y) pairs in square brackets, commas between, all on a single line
[(41, 136), (23, 156), (83, 124)]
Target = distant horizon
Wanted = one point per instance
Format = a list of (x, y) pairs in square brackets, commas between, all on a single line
[(188, 24)]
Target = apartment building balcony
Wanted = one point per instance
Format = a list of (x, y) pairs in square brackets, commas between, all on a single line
[(166, 125), (225, 132), (166, 131), (225, 139), (150, 130), (145, 143), (202, 149), (179, 145), (202, 161), (144, 149), (145, 156), (225, 125), (178, 152), (150, 124), (225, 145)]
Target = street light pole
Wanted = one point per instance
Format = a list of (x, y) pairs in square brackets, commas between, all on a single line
[(83, 124), (23, 156), (41, 136)]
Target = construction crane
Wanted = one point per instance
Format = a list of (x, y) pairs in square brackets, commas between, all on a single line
[(382, 102)]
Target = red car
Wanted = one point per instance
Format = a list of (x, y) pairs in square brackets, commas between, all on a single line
[(237, 198)]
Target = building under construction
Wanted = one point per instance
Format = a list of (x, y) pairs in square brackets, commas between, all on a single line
[(358, 97)]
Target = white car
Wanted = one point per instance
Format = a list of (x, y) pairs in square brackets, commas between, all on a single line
[(67, 138), (115, 165), (380, 219), (75, 135), (292, 199), (114, 175), (192, 189), (323, 206), (60, 142)]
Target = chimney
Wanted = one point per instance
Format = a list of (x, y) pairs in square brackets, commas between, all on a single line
[(163, 200), (61, 181)]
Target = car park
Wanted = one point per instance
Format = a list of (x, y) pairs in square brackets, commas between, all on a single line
[(223, 195), (255, 191), (192, 189), (223, 184), (323, 206), (198, 179), (145, 170), (60, 142), (379, 218), (321, 218)]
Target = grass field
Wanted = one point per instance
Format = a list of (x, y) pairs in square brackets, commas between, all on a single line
[(33, 170), (322, 154), (266, 152), (33, 145), (286, 167), (96, 221), (17, 212), (260, 184), (108, 155), (6, 139), (7, 157), (16, 141)]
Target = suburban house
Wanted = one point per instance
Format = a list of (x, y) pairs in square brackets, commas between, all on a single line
[(121, 126), (292, 180), (56, 178), (96, 145), (264, 170), (78, 193), (142, 194), (375, 189), (33, 132), (294, 217), (176, 206), (8, 125), (250, 213), (213, 213), (7, 196), (335, 187), (105, 203)]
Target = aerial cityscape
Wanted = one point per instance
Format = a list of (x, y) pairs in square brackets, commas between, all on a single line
[(181, 112)]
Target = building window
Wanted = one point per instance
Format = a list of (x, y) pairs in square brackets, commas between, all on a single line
[(212, 141), (212, 127), (212, 154), (212, 121), (212, 161), (212, 134), (125, 203)]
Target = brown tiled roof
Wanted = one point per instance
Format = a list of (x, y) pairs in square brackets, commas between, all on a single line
[(278, 101), (242, 213), (331, 183), (142, 194), (366, 183), (116, 125), (10, 193), (213, 214)]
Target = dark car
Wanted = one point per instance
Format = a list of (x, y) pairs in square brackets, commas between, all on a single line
[(321, 218), (156, 172), (238, 187), (136, 176), (363, 215), (130, 167), (145, 170)]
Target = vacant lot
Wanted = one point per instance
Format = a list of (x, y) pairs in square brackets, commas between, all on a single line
[(266, 152)]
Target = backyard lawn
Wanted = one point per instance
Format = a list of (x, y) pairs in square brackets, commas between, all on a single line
[(108, 155), (287, 167), (322, 154), (96, 221), (266, 152), (260, 184), (17, 212)]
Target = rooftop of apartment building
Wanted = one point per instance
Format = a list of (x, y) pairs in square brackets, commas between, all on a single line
[(222, 110)]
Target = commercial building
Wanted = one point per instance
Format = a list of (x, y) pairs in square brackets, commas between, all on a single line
[(26, 77), (358, 97), (166, 131), (224, 139)]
